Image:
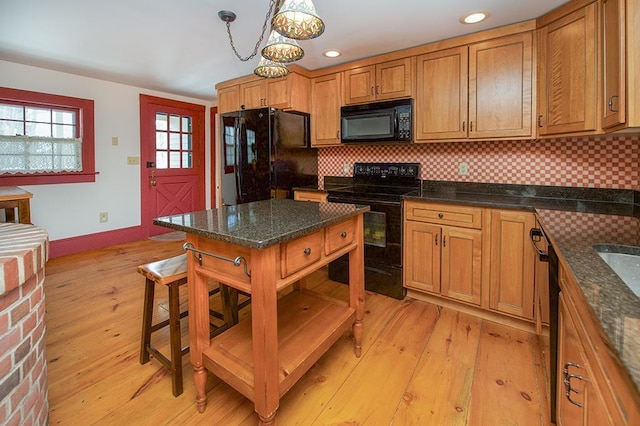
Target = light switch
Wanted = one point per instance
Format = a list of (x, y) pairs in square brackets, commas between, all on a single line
[(114, 140)]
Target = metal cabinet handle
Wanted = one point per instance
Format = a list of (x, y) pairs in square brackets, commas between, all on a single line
[(377, 90), (471, 126), (611, 103), (307, 251), (463, 125), (444, 241), (343, 234), (536, 234), (372, 90), (567, 382), (540, 120), (436, 239)]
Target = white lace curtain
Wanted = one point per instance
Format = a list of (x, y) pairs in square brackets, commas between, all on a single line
[(33, 154)]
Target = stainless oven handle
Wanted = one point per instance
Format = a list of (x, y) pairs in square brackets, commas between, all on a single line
[(536, 234)]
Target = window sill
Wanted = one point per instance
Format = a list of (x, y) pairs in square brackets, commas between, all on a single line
[(47, 178)]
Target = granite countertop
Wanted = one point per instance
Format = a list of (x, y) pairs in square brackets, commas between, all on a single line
[(263, 223), (574, 219)]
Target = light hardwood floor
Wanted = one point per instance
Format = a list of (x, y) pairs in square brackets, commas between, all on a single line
[(420, 365)]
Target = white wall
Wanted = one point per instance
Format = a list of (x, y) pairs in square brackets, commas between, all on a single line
[(69, 210)]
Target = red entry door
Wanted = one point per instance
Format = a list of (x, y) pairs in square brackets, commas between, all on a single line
[(172, 159)]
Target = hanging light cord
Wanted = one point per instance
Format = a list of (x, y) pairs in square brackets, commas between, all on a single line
[(264, 29)]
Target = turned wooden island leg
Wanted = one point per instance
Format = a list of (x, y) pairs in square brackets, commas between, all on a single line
[(356, 285), (200, 380)]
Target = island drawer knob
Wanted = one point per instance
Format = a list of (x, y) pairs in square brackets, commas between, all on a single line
[(307, 251), (343, 234), (440, 215)]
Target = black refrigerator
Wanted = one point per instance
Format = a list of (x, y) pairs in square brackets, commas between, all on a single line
[(265, 153)]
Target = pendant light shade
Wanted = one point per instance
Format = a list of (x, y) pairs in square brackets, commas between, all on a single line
[(282, 49), (297, 19), (270, 69)]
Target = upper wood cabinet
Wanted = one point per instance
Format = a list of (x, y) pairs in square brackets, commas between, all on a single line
[(325, 109), (292, 92), (620, 53), (479, 91), (228, 99), (567, 77), (387, 80)]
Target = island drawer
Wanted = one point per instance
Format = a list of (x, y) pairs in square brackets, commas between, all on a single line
[(444, 214), (298, 254), (339, 235)]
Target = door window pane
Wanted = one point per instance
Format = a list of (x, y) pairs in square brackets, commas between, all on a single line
[(161, 121)]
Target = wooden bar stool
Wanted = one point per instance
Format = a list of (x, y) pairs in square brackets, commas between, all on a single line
[(172, 273)]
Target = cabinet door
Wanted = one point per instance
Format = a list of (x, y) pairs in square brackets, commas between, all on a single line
[(292, 92), (462, 264), (359, 85), (393, 79), (500, 87), (325, 110), (422, 256), (576, 381), (613, 63), (511, 287), (229, 99), (567, 74), (441, 95), (253, 94)]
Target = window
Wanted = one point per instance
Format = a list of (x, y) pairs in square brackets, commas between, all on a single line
[(229, 148), (45, 138), (173, 141)]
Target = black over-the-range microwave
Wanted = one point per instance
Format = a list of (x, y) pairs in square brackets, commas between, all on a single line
[(389, 121)]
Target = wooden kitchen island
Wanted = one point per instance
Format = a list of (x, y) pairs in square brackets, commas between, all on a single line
[(262, 248)]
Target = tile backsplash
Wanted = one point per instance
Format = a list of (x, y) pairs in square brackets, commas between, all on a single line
[(592, 162)]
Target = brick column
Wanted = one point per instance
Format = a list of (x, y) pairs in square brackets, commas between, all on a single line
[(23, 366)]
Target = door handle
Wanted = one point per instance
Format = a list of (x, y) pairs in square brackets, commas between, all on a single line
[(153, 178)]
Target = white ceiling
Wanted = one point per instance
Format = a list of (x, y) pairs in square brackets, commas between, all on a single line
[(181, 46)]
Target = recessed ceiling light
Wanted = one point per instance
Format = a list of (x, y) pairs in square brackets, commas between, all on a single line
[(474, 17), (332, 53)]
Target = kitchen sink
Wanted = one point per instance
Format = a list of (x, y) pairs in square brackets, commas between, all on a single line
[(625, 262)]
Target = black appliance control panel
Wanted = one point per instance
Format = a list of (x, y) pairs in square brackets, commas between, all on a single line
[(387, 170)]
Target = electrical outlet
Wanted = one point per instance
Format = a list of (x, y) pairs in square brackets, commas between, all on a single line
[(345, 168), (104, 217), (133, 161), (463, 169), (114, 140)]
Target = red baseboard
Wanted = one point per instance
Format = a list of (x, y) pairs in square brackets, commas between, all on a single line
[(73, 245)]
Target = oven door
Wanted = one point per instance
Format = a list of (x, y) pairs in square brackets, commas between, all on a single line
[(382, 248)]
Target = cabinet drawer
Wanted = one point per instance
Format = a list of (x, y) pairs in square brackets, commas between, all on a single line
[(338, 235), (317, 196), (445, 214), (298, 254)]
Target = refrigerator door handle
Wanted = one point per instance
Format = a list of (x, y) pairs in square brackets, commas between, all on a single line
[(237, 160)]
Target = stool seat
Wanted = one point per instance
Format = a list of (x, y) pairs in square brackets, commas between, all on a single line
[(172, 273), (166, 271)]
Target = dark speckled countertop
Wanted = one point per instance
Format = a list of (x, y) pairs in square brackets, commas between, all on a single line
[(263, 223), (574, 219)]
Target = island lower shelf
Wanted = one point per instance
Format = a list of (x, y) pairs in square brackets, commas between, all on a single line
[(308, 324)]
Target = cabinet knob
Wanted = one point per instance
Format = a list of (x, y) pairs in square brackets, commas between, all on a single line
[(307, 251), (343, 234), (440, 215)]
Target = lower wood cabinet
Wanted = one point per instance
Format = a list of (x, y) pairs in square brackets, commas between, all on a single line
[(317, 196), (479, 256), (579, 397), (444, 260), (512, 263)]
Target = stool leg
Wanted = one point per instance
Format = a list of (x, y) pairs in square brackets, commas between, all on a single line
[(229, 297), (147, 318), (174, 336)]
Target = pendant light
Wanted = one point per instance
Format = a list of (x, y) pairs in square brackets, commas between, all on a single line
[(297, 19), (282, 49), (270, 69)]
